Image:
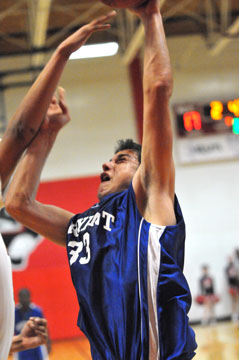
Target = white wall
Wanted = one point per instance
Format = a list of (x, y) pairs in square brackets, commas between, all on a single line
[(209, 193), (99, 98), (100, 103)]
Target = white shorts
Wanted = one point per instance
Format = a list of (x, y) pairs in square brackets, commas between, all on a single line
[(6, 302)]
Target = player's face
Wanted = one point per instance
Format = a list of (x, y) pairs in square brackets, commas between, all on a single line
[(24, 299), (118, 173)]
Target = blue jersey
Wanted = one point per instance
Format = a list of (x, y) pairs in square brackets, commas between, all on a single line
[(38, 353), (128, 276)]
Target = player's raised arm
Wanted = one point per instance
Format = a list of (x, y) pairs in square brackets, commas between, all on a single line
[(49, 221), (154, 182), (26, 121)]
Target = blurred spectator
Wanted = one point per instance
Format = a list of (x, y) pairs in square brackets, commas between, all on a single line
[(232, 273), (207, 296), (23, 311)]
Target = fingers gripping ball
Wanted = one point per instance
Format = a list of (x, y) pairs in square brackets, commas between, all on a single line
[(123, 3)]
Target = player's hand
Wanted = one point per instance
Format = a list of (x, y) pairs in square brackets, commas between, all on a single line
[(79, 38), (57, 114), (34, 332), (148, 7)]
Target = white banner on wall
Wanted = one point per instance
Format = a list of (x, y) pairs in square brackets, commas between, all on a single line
[(208, 148)]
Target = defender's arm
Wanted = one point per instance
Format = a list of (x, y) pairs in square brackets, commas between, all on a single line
[(20, 202), (47, 220), (26, 121)]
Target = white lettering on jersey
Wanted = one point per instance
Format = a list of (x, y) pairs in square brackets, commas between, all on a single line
[(80, 222), (93, 220), (75, 253), (76, 228), (108, 218), (79, 245), (96, 219), (87, 223), (84, 244), (86, 240)]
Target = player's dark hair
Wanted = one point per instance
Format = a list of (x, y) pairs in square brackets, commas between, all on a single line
[(129, 144)]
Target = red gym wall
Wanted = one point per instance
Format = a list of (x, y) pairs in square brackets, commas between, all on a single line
[(48, 274)]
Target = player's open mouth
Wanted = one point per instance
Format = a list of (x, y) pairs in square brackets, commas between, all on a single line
[(104, 177)]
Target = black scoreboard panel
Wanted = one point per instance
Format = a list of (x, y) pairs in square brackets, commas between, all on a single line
[(216, 117)]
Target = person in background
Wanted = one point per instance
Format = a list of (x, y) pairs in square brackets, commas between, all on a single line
[(237, 257), (207, 296), (232, 275), (25, 310)]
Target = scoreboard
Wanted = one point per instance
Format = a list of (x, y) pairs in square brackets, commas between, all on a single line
[(207, 131)]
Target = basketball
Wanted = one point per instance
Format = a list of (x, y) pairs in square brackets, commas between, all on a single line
[(123, 3)]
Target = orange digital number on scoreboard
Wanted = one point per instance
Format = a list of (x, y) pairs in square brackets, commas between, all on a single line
[(192, 120), (216, 110), (233, 107), (216, 117)]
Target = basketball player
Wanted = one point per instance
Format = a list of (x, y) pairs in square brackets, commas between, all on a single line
[(208, 294), (34, 332), (126, 252), (24, 310), (19, 133), (232, 276)]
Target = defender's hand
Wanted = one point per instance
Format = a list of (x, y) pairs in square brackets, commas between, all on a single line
[(57, 114), (76, 40), (35, 331)]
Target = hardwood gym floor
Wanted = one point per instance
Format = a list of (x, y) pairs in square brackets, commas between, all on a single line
[(215, 342), (218, 342)]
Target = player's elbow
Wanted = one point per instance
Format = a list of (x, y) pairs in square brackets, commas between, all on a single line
[(17, 206), (164, 86), (161, 88)]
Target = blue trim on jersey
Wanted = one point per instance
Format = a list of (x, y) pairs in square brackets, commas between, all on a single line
[(128, 278)]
